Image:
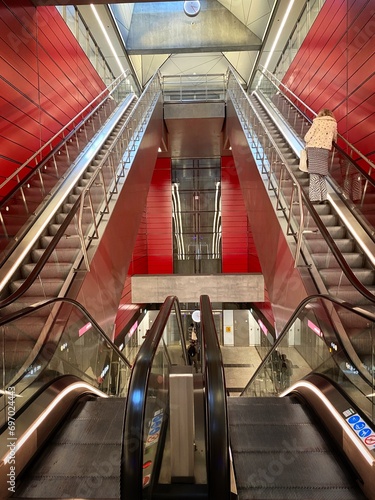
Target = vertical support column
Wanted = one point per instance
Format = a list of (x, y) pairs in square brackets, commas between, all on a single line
[(182, 428)]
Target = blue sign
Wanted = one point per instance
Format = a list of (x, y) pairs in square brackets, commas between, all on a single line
[(361, 428)]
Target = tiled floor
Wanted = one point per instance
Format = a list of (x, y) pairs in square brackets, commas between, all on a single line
[(240, 364)]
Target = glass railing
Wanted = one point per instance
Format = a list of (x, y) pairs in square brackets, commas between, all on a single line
[(30, 187), (148, 405), (193, 88), (322, 244), (313, 341), (350, 171), (84, 207), (70, 342)]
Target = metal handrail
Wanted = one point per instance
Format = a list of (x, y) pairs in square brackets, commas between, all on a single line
[(296, 184), (106, 92), (357, 284), (272, 78), (186, 87), (137, 126)]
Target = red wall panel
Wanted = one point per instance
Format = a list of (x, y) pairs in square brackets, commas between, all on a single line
[(238, 249), (138, 265), (45, 79), (159, 220), (334, 69), (153, 251)]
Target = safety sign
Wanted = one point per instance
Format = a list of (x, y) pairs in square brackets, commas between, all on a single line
[(361, 428)]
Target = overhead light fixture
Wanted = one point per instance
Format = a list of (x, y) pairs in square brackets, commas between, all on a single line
[(280, 30), (107, 37), (276, 40), (192, 7)]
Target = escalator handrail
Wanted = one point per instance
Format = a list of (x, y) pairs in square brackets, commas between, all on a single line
[(270, 77), (217, 428), (75, 209), (133, 432), (9, 318), (31, 278), (294, 316), (107, 92), (357, 284)]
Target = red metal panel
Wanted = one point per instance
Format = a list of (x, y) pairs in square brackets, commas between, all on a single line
[(236, 233), (112, 260), (339, 73), (159, 220), (282, 279), (45, 78)]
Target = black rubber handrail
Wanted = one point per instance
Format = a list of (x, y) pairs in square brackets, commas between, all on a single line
[(285, 331), (347, 270), (6, 320), (132, 449), (31, 278), (217, 430)]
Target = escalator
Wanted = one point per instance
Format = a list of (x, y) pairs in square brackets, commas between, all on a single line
[(300, 433), (66, 201), (65, 415), (261, 445), (310, 435), (280, 450), (332, 244), (348, 221), (49, 256), (83, 458)]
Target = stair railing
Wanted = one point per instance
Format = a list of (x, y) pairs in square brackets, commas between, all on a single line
[(273, 164), (118, 155), (268, 157), (350, 170), (77, 121)]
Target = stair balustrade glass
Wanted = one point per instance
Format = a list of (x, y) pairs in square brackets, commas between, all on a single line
[(70, 342), (197, 87), (28, 190), (317, 235), (314, 341)]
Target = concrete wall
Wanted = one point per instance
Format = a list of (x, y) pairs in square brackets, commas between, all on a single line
[(219, 287)]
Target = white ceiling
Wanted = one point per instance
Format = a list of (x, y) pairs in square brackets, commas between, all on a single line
[(229, 32)]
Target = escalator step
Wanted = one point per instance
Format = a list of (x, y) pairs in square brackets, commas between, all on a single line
[(279, 453)]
